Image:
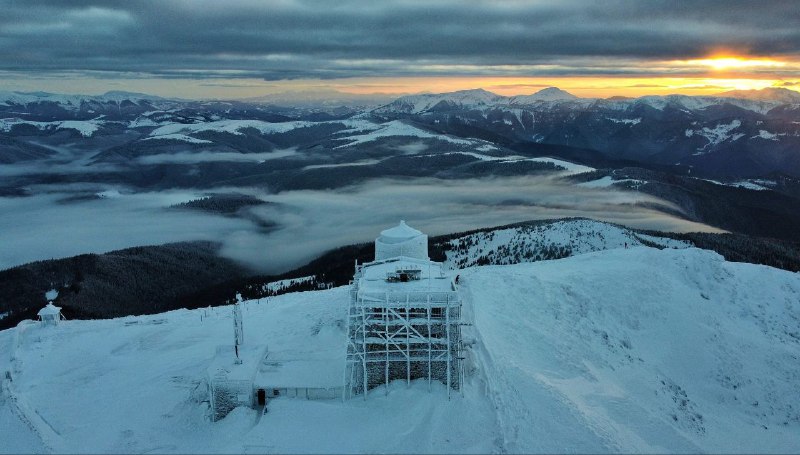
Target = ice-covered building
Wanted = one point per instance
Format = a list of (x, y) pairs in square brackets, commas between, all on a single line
[(230, 378), (248, 375), (401, 240), (50, 314), (404, 319)]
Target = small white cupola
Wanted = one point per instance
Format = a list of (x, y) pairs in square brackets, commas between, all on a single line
[(50, 314), (401, 240)]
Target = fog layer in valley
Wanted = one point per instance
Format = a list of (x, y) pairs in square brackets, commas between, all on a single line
[(45, 225)]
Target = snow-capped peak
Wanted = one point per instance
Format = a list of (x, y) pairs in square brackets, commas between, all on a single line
[(120, 95), (774, 94), (463, 98), (547, 94)]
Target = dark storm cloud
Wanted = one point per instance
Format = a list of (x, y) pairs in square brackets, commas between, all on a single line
[(291, 39)]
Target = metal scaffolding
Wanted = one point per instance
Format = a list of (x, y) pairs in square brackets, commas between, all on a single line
[(402, 334)]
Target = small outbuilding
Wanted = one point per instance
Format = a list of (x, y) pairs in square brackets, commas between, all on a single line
[(230, 378), (50, 314)]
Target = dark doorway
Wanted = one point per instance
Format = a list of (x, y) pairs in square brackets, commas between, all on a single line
[(262, 397)]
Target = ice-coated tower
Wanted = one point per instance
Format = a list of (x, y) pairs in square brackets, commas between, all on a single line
[(404, 318)]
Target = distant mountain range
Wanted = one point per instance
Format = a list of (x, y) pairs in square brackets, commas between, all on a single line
[(742, 133), (764, 99), (737, 134)]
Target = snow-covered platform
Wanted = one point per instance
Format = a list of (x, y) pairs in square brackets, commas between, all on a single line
[(430, 278)]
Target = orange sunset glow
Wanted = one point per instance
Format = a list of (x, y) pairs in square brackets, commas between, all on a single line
[(593, 87), (704, 76)]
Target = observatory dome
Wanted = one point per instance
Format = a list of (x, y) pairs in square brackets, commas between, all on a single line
[(401, 240)]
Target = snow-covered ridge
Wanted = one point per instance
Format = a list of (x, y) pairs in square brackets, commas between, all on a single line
[(227, 126), (74, 101), (415, 104), (764, 134), (179, 137), (752, 184), (397, 128), (715, 136), (607, 181), (235, 126), (553, 97), (548, 241), (281, 285), (626, 121), (85, 127), (354, 132), (479, 99)]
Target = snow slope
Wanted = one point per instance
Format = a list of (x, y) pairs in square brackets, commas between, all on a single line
[(85, 127), (640, 350), (546, 241), (399, 129)]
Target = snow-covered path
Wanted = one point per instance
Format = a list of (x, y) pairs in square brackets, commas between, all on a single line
[(640, 350)]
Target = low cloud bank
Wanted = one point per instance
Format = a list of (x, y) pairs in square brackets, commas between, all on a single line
[(309, 222), (312, 222)]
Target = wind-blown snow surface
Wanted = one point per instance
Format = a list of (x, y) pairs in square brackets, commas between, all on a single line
[(640, 350), (629, 350)]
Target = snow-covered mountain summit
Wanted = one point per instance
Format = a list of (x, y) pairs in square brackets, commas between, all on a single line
[(623, 350), (414, 104), (559, 239), (772, 94), (547, 94), (754, 100)]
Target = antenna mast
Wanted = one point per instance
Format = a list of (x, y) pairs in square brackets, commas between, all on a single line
[(238, 330)]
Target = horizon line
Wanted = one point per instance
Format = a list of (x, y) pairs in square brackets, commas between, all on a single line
[(379, 94)]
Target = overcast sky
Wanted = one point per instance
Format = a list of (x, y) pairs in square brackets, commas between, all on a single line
[(253, 47)]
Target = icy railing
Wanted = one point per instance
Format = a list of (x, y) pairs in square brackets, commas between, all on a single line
[(399, 299)]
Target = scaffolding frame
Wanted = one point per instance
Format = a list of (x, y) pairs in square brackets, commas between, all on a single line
[(402, 335)]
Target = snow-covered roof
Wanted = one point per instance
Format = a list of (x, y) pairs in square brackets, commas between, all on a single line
[(224, 368), (400, 232), (300, 373), (49, 309), (432, 276)]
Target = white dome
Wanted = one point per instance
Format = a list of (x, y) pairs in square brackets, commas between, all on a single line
[(49, 309), (399, 233), (401, 240)]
